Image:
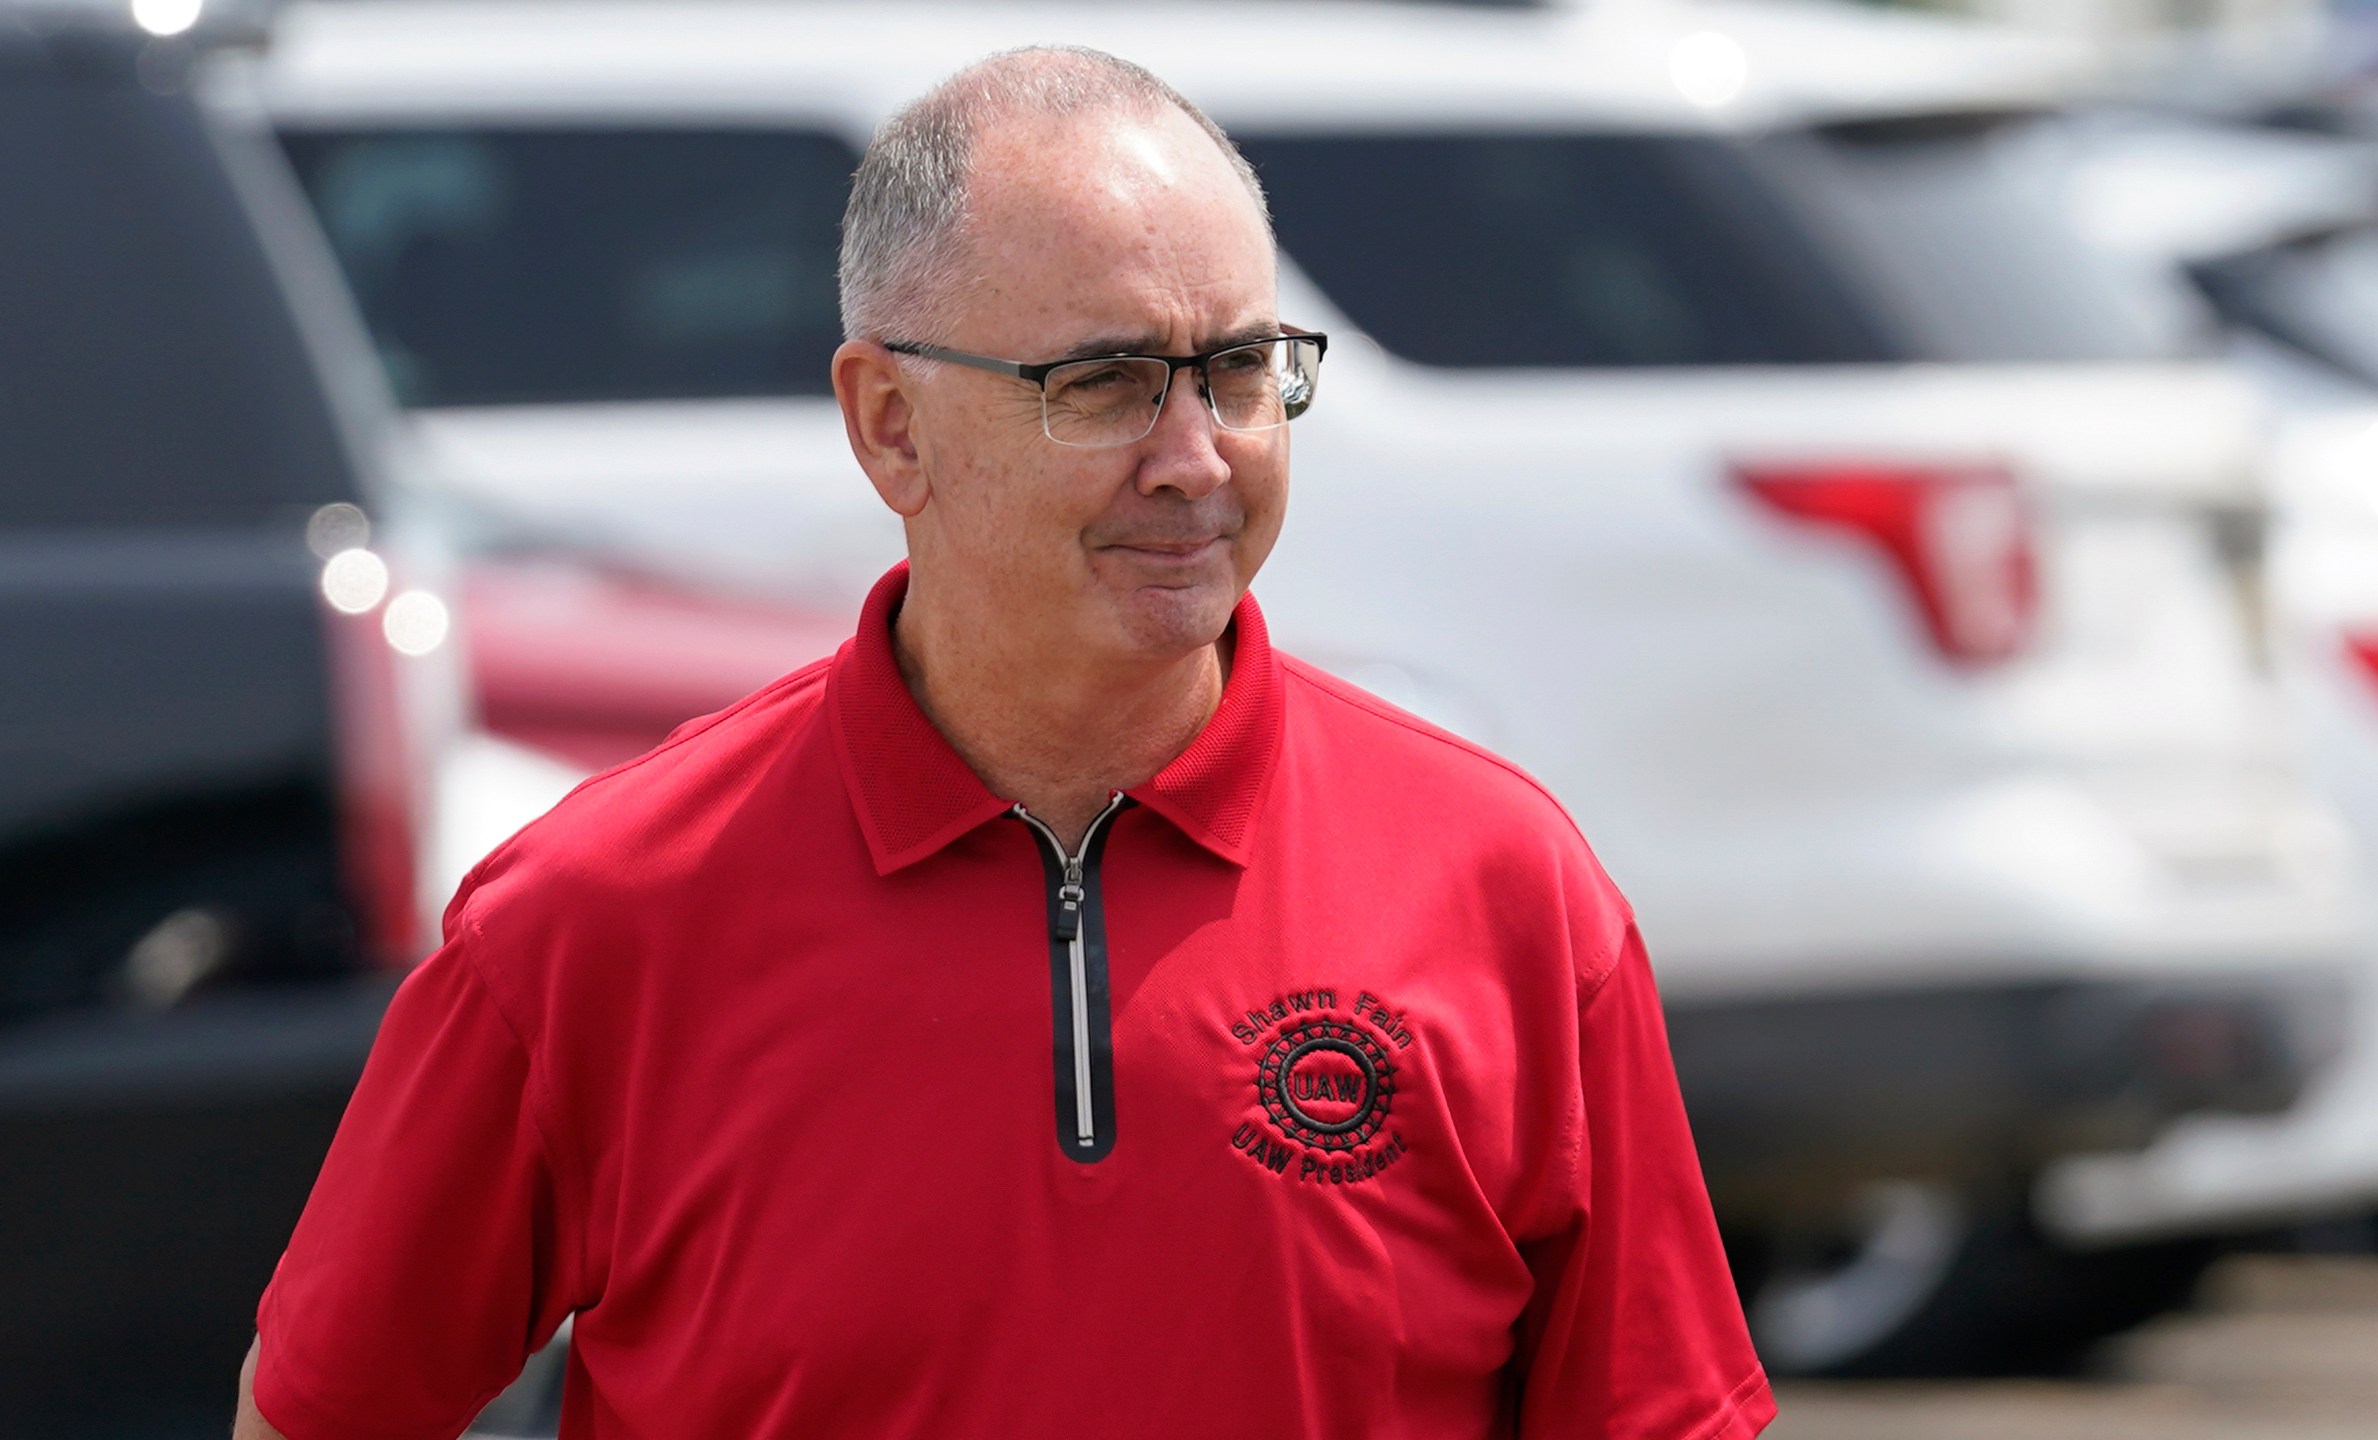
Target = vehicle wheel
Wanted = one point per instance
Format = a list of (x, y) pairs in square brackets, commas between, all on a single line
[(153, 1177), (1928, 1280)]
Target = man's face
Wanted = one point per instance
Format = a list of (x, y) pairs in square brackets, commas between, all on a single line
[(1092, 235)]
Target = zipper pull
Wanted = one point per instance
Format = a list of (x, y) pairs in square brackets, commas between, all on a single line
[(1070, 896)]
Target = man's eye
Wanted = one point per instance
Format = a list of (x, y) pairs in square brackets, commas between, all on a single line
[(1109, 378), (1101, 385)]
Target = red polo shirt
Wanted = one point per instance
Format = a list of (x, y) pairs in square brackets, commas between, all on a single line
[(1323, 1094)]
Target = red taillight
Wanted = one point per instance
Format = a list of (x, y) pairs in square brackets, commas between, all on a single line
[(1958, 536), (2362, 646), (379, 789)]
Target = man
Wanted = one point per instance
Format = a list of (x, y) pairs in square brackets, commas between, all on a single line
[(1058, 1014)]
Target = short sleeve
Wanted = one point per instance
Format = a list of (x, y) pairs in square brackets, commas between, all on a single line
[(1634, 1331), (435, 1253)]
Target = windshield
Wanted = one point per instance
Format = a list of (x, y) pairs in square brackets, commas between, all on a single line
[(1961, 227), (1558, 250), (503, 266), (1922, 241), (150, 370), (2319, 295), (524, 265)]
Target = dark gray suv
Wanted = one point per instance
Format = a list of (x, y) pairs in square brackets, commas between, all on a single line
[(210, 770)]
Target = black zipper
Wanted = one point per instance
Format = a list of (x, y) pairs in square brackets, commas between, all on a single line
[(1084, 1048)]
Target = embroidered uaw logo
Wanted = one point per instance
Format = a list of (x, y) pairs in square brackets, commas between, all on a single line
[(1326, 1084)]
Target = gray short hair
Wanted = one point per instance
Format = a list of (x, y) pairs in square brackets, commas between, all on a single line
[(903, 234)]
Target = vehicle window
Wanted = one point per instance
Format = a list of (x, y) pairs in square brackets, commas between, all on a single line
[(1924, 241), (2319, 294), (1961, 227), (504, 266), (150, 371), (1534, 250)]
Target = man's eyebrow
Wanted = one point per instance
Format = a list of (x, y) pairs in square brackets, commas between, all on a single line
[(1140, 344), (1145, 343), (1261, 330)]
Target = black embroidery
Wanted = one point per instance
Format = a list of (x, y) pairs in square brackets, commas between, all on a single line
[(1326, 1084)]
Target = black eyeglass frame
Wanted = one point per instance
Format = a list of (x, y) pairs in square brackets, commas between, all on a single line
[(1038, 375)]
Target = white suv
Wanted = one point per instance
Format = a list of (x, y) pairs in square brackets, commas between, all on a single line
[(2280, 230), (1718, 424)]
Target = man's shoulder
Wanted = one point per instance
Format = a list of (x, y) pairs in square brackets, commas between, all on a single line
[(631, 828), (1414, 796), (1411, 763)]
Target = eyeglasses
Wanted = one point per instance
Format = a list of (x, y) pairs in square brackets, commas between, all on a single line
[(1108, 400)]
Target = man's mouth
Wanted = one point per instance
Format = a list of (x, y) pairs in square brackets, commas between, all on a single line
[(1179, 549)]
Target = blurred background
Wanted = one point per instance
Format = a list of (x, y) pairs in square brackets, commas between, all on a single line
[(1905, 475)]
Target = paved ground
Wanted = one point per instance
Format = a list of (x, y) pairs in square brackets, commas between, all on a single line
[(2280, 1349)]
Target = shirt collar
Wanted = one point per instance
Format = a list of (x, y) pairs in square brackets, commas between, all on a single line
[(913, 794)]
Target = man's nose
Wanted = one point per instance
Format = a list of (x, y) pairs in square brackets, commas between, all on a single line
[(1181, 453)]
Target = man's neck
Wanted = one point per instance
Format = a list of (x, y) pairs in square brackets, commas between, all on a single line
[(1060, 738)]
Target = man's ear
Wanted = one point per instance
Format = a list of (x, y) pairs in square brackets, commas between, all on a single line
[(880, 420)]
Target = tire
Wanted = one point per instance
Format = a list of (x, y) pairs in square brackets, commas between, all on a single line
[(1931, 1281), (140, 1217)]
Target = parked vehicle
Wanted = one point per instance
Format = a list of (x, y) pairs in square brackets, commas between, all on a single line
[(224, 688), (2278, 230), (1728, 428)]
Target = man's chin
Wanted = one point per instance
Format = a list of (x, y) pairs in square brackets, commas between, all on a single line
[(1176, 618)]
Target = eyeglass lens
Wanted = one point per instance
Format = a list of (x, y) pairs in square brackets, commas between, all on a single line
[(1116, 401)]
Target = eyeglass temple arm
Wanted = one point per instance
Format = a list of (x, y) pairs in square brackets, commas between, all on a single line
[(959, 357)]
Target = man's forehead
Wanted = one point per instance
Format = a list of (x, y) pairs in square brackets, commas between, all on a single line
[(1051, 167), (1082, 223)]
